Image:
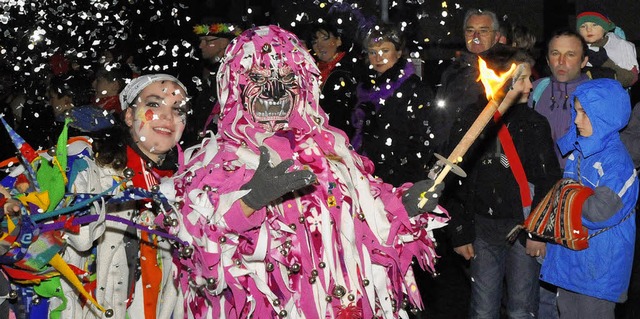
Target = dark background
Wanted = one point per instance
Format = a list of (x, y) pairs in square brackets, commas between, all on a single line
[(159, 32)]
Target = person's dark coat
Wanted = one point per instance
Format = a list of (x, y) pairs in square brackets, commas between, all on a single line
[(487, 202), (397, 125), (338, 96)]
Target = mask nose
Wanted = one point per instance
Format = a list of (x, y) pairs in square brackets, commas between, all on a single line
[(275, 90)]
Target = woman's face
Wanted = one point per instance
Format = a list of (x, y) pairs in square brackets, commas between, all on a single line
[(383, 55), (325, 45), (157, 118)]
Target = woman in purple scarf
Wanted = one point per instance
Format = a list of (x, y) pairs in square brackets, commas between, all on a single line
[(395, 120)]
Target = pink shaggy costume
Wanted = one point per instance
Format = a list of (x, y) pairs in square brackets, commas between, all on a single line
[(339, 248)]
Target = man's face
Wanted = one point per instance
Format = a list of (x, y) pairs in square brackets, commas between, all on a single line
[(565, 58), (479, 34), (213, 47)]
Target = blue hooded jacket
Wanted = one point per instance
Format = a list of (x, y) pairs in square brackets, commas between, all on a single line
[(603, 270)]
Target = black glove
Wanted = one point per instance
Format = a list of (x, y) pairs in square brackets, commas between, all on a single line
[(269, 183), (598, 58), (413, 195)]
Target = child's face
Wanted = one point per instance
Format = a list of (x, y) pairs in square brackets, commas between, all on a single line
[(158, 118), (591, 32), (582, 121), (522, 85)]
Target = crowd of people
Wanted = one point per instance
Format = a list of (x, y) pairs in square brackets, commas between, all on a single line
[(301, 179)]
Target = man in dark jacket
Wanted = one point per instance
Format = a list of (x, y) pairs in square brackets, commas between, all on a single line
[(214, 37), (458, 90)]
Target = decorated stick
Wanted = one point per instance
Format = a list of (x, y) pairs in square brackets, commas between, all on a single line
[(493, 87)]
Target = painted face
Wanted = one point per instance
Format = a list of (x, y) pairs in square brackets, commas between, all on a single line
[(522, 85), (591, 32), (583, 124), (213, 47), (383, 55), (158, 117), (565, 58), (325, 45), (479, 34), (270, 95)]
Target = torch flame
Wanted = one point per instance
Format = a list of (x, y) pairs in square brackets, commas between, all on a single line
[(490, 80)]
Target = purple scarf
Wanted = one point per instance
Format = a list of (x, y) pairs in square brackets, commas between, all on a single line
[(376, 94), (384, 90)]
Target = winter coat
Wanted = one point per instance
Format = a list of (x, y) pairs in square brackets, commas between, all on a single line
[(489, 198), (553, 104), (459, 89), (203, 105), (338, 96), (601, 162), (397, 124), (622, 64)]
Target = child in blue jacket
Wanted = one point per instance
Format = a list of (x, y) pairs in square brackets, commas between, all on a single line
[(592, 280)]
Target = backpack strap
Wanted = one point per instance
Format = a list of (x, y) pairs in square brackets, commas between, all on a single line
[(537, 92)]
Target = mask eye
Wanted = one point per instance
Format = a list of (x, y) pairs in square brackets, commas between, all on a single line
[(288, 78), (257, 78)]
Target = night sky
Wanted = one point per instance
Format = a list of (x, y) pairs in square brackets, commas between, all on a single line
[(159, 32)]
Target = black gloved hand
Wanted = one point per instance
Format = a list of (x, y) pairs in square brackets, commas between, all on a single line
[(598, 58), (413, 195), (269, 183)]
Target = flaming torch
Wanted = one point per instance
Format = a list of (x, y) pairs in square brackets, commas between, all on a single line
[(493, 84)]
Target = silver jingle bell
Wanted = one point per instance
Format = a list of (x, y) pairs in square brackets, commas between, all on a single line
[(186, 252), (295, 268), (338, 291), (128, 173)]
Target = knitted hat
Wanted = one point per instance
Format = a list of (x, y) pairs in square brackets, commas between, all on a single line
[(595, 17), (221, 30), (133, 89)]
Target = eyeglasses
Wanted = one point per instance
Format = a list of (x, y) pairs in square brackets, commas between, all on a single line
[(481, 32)]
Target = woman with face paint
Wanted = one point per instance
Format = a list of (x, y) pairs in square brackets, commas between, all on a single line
[(129, 271), (133, 267)]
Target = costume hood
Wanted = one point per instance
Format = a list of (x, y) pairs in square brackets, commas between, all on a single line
[(261, 49), (608, 107)]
